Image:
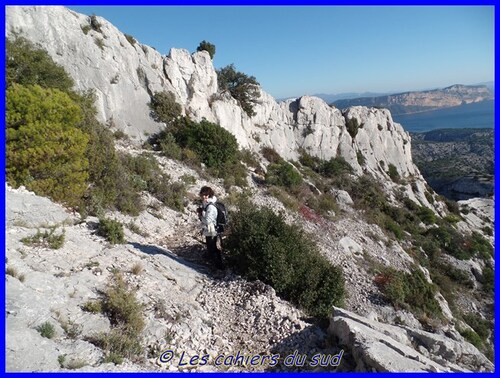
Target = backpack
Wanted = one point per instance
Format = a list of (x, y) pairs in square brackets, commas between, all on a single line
[(222, 216)]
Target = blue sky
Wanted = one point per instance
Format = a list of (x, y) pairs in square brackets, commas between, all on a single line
[(298, 50)]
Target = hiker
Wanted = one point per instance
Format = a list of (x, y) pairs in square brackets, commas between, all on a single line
[(208, 217)]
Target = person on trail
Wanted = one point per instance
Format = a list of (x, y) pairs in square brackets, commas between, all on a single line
[(208, 217)]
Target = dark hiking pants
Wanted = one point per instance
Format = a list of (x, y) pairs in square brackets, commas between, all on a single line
[(214, 253)]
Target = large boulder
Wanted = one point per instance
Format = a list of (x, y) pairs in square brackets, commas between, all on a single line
[(379, 347)]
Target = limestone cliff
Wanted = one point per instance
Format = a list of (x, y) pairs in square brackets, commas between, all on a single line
[(125, 73), (420, 101)]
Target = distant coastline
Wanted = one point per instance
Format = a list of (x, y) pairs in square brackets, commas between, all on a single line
[(476, 115)]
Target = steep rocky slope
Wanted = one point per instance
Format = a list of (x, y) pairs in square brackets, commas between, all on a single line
[(126, 74), (193, 310)]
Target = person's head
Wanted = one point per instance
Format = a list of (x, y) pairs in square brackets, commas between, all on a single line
[(206, 192)]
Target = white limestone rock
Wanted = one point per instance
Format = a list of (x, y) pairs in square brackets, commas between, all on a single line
[(380, 347), (125, 76), (29, 210)]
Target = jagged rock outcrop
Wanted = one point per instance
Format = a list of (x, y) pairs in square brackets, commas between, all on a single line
[(125, 73), (378, 347)]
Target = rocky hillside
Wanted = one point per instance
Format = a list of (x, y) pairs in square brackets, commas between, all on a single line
[(457, 164), (78, 300), (192, 310), (126, 74), (414, 102)]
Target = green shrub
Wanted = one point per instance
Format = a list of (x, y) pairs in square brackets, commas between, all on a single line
[(28, 65), (188, 179), (426, 215), (352, 126), (472, 337), (94, 306), (112, 230), (71, 329), (271, 155), (234, 174), (429, 197), (99, 42), (46, 330), (487, 230), (243, 88), (283, 174), (216, 147), (394, 228), (11, 271), (361, 158), (411, 290), (111, 186), (47, 239), (462, 247), (45, 149), (452, 206), (481, 326), (262, 246), (208, 47), (95, 24), (336, 166), (125, 314), (480, 245), (170, 194), (164, 108), (85, 29), (249, 158), (456, 275), (323, 203), (366, 193), (290, 202), (122, 307), (309, 161), (393, 173), (488, 279)]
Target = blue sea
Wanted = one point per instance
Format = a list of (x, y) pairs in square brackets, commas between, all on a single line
[(475, 116)]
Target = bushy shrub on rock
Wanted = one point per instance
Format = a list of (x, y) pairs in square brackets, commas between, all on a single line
[(262, 246), (45, 148)]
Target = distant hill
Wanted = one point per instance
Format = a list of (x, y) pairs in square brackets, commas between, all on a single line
[(457, 163), (421, 101), (329, 98)]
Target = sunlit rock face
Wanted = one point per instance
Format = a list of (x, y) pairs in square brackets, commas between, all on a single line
[(125, 74)]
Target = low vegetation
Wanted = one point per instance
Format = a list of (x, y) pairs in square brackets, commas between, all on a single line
[(262, 246), (203, 142), (111, 230), (47, 330), (164, 108), (352, 126), (124, 311), (52, 132), (410, 291), (45, 239)]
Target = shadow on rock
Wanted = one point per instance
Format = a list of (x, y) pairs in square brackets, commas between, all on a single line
[(190, 255), (313, 350)]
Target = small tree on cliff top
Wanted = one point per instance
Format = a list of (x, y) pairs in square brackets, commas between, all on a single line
[(208, 47), (244, 89)]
